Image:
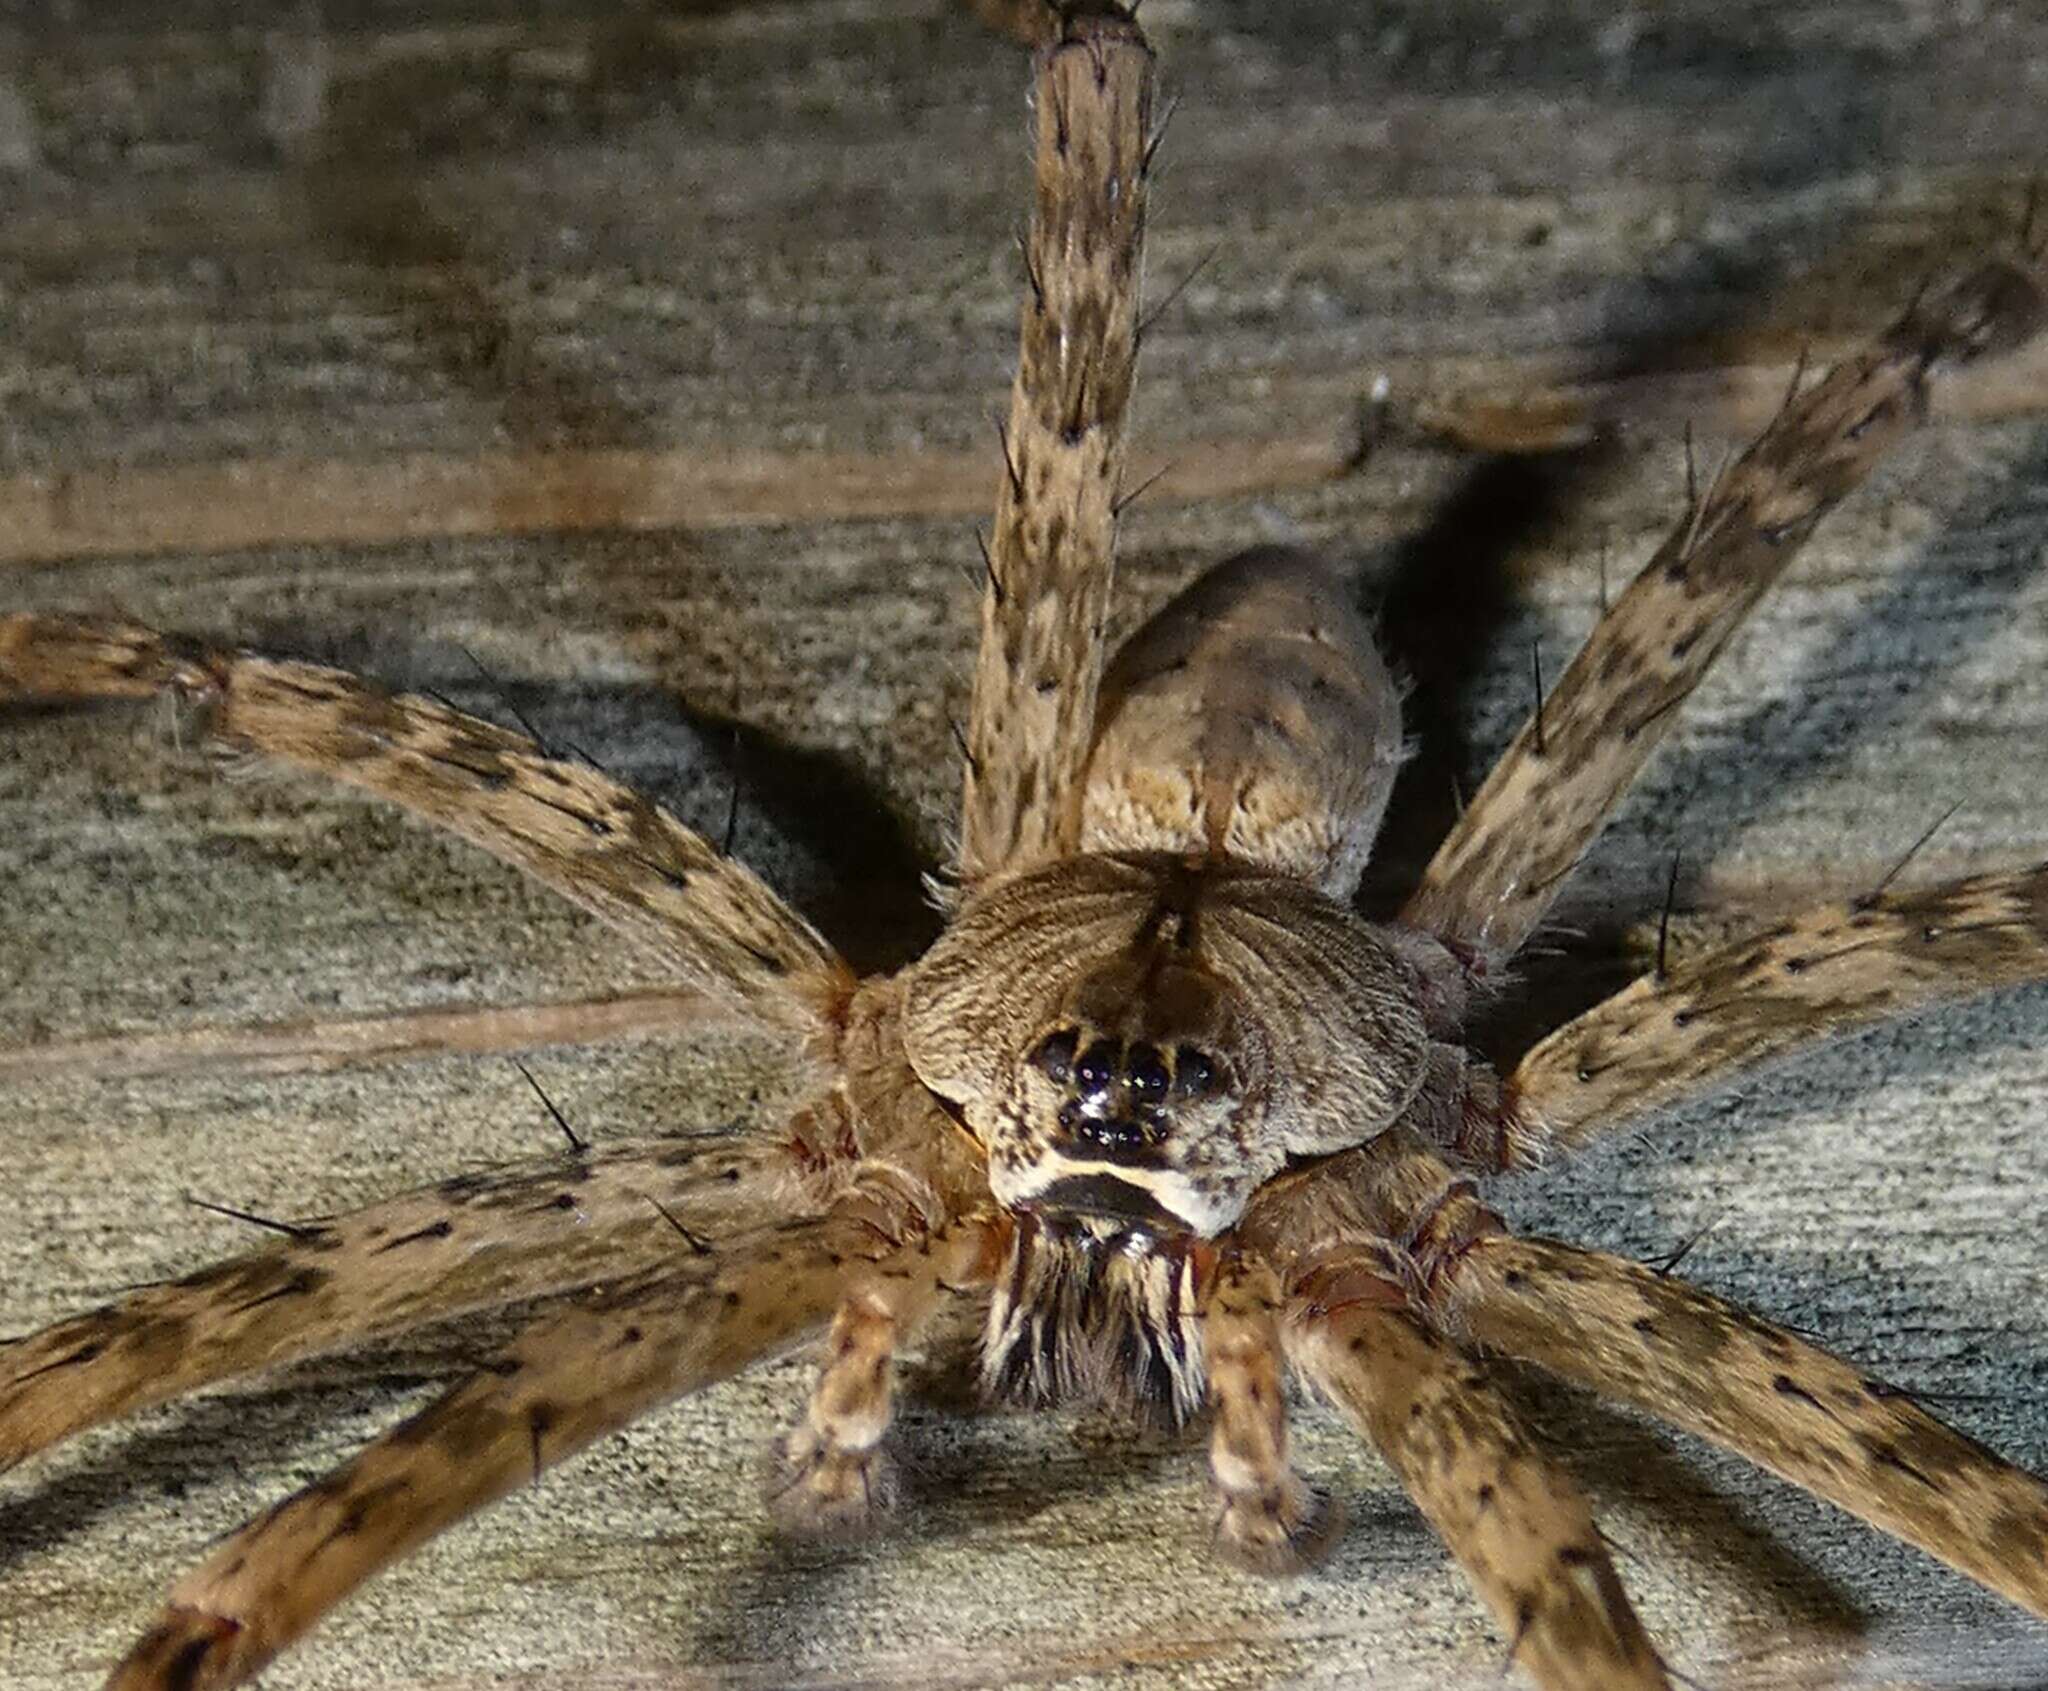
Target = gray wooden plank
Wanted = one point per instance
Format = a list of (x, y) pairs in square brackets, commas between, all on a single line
[(792, 235)]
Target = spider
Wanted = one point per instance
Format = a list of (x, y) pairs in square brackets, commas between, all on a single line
[(1157, 1097)]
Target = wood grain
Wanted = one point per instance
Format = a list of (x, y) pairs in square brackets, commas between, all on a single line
[(786, 230), (1695, 1359)]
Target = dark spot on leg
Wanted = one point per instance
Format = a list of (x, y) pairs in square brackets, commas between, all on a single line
[(1887, 1456), (181, 1672), (306, 1281), (438, 1230), (538, 1420), (1785, 1386)]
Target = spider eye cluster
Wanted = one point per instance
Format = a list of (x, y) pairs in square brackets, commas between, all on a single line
[(1118, 1094)]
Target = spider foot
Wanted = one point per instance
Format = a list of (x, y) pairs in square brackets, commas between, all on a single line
[(818, 1488), (187, 1650), (1278, 1530), (831, 1476)]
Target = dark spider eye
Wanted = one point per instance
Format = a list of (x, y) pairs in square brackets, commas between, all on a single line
[(1195, 1074), (1096, 1069), (1110, 1135), (1055, 1056), (1145, 1069)]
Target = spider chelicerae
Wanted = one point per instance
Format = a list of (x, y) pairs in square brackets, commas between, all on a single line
[(1157, 1095)]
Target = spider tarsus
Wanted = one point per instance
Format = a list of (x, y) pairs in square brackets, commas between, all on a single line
[(830, 1475), (822, 1491), (1280, 1533)]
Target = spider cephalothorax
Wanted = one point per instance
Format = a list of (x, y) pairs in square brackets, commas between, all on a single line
[(1147, 1040), (1158, 1093)]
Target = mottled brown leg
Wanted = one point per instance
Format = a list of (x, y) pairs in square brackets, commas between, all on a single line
[(832, 1476), (1738, 1006), (472, 1242), (571, 1380), (599, 844), (1268, 1520), (1550, 794), (1686, 1357), (1050, 556), (1515, 1523)]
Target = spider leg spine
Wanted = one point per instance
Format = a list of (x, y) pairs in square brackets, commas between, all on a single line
[(1551, 791), (573, 1378), (475, 1241), (588, 838), (1689, 1358), (1513, 1520)]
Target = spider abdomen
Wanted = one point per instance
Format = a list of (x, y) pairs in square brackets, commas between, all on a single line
[(1250, 718)]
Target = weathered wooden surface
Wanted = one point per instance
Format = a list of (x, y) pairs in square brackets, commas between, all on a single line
[(263, 294)]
